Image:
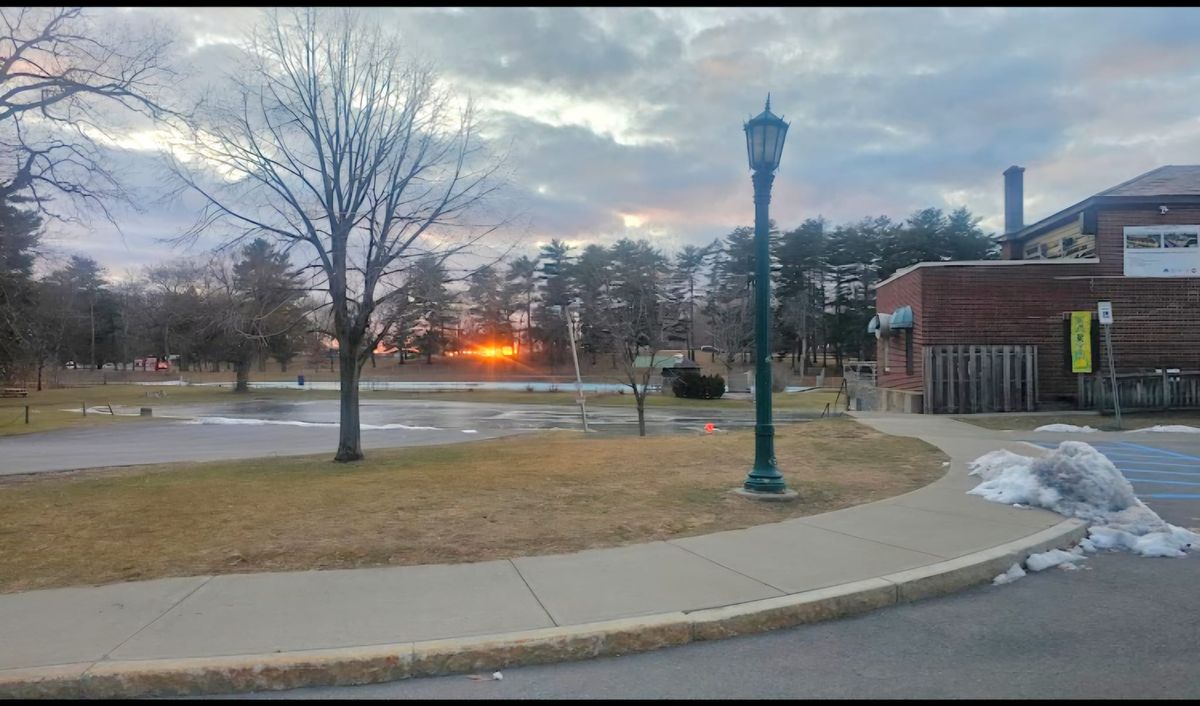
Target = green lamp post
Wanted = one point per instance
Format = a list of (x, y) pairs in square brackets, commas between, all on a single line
[(764, 146)]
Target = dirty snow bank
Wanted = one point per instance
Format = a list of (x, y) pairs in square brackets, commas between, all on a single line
[(1045, 560), (1066, 428), (1076, 480), (1181, 428), (1014, 572)]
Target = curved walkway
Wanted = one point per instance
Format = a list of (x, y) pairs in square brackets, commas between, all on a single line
[(214, 634)]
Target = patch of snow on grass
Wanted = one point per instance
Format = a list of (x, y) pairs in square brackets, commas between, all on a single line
[(1066, 428), (1180, 428), (1076, 480)]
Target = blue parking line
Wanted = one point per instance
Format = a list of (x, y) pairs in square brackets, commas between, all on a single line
[(1162, 452), (1163, 473), (1160, 482), (1130, 458), (1143, 462)]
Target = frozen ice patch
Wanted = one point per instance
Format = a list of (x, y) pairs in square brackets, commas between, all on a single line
[(1178, 428), (1066, 428), (1076, 480), (1014, 572), (250, 421)]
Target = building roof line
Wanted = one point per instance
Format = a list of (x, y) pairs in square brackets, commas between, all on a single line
[(1107, 195), (991, 263)]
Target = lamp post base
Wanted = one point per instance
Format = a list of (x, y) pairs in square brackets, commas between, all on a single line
[(782, 497)]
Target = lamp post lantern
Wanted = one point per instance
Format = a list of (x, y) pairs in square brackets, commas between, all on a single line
[(764, 145)]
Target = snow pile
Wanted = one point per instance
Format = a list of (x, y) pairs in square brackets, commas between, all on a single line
[(1014, 572), (1052, 558), (1066, 428), (295, 423), (1076, 480), (1181, 428)]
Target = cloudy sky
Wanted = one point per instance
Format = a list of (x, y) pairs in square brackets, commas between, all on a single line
[(628, 121)]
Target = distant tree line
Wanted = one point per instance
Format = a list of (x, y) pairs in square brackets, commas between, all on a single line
[(631, 298)]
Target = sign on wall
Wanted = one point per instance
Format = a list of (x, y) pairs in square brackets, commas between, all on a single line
[(1081, 341), (1162, 251)]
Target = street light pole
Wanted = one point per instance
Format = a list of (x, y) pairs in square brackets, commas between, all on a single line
[(572, 320), (764, 143)]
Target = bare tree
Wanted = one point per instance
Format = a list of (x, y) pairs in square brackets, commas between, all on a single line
[(343, 150), (630, 316), (730, 312), (63, 82)]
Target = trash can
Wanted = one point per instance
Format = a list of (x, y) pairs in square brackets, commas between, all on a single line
[(300, 380)]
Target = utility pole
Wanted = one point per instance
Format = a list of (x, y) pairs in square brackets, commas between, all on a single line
[(1106, 320), (572, 319)]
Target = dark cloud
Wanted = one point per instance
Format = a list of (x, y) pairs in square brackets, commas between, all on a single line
[(627, 121)]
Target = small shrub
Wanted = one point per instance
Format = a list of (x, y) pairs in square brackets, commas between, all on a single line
[(698, 387)]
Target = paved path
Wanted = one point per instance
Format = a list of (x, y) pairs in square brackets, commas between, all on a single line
[(283, 612), (254, 429), (1125, 627)]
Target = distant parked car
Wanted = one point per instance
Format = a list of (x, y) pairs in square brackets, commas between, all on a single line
[(710, 349)]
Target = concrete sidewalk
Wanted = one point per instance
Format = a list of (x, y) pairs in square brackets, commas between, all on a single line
[(129, 639)]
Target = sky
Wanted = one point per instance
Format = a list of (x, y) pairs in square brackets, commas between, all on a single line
[(627, 122)]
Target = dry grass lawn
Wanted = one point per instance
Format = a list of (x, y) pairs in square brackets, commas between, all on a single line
[(555, 492)]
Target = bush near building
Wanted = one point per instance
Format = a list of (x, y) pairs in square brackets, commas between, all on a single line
[(699, 387)]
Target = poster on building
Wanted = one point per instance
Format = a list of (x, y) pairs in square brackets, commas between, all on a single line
[(1162, 251), (1081, 341)]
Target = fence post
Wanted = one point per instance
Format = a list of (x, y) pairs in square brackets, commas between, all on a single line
[(1166, 387), (927, 379), (26, 414), (1030, 367), (83, 407)]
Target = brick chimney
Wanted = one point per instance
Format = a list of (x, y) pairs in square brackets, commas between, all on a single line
[(1014, 199)]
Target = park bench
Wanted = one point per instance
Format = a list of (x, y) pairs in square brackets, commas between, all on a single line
[(14, 392)]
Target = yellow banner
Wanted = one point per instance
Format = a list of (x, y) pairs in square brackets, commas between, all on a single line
[(1081, 341)]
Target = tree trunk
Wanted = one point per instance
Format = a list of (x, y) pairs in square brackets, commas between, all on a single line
[(349, 432), (262, 363), (40, 366), (283, 365), (243, 376), (641, 409)]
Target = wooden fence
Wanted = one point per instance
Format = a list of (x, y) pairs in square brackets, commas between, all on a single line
[(964, 379), (1160, 390)]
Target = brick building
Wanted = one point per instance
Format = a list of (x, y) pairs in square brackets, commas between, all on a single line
[(994, 335)]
